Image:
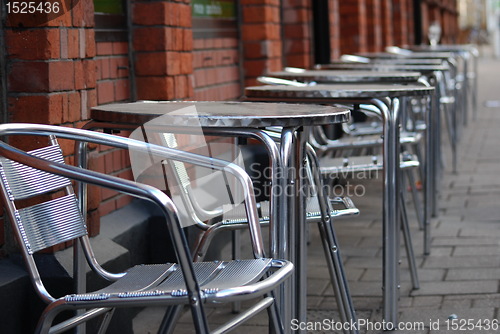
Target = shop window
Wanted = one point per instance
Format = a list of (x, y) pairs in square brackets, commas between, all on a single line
[(214, 19), (110, 20)]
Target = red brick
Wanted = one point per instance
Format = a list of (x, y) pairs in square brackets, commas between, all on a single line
[(186, 62), (104, 48), (120, 48), (151, 63), (61, 75), (77, 13), (105, 92), (91, 98), (198, 44), (177, 41), (113, 68), (262, 49), (64, 106), (48, 109), (36, 44), (94, 221), (108, 162), (89, 71), (152, 13), (200, 78), (73, 43), (88, 14), (151, 38), (104, 68), (184, 14), (64, 20), (261, 14), (122, 64), (294, 31), (24, 20), (180, 88), (297, 46), (38, 72), (108, 193), (122, 90), (155, 88), (79, 75), (73, 113), (187, 42), (123, 201), (258, 32), (174, 63), (90, 44)]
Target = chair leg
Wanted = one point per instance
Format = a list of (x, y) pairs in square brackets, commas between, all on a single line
[(409, 245), (236, 250), (170, 318), (337, 273), (274, 318), (106, 319), (416, 200), (330, 246)]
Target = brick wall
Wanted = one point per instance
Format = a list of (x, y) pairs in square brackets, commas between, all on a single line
[(216, 69), (387, 23), (297, 36), (261, 38), (50, 69), (334, 21), (400, 19), (353, 27), (374, 23), (112, 72), (163, 45), (69, 72)]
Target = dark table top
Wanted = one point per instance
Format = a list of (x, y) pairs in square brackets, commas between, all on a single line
[(444, 48), (384, 67), (345, 91), (339, 76), (219, 114), (413, 55)]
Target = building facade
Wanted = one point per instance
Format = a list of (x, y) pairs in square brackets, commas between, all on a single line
[(58, 61)]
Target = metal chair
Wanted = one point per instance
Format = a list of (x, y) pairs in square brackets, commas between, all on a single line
[(41, 173), (319, 209)]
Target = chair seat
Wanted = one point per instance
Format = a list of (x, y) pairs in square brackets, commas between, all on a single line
[(165, 282), (343, 166), (313, 212), (372, 140)]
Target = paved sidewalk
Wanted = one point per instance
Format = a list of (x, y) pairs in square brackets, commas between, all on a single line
[(461, 276)]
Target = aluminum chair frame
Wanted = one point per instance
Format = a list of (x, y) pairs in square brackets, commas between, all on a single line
[(363, 164), (171, 284), (319, 210)]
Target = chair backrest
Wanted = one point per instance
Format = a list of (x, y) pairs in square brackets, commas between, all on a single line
[(40, 223), (208, 195)]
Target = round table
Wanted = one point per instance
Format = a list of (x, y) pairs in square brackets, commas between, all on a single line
[(340, 76), (386, 99), (240, 118)]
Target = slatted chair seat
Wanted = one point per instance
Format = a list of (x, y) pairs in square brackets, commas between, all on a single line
[(166, 280)]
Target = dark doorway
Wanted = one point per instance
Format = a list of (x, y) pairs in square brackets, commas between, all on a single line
[(321, 30)]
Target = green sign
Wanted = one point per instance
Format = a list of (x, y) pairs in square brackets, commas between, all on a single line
[(109, 6), (224, 9)]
